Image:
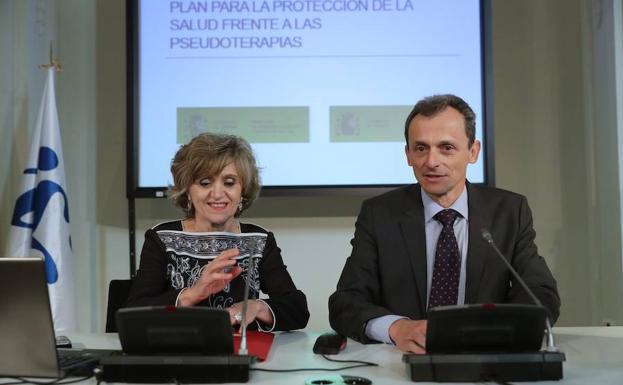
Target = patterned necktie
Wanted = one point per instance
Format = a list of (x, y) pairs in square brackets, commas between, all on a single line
[(444, 288)]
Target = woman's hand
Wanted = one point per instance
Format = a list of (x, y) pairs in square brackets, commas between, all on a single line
[(214, 277), (256, 310)]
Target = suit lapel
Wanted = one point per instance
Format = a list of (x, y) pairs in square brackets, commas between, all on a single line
[(477, 248), (414, 237)]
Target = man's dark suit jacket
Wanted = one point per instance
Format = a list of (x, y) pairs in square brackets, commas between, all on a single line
[(386, 272)]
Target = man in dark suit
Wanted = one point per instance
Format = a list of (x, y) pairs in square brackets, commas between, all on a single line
[(420, 246)]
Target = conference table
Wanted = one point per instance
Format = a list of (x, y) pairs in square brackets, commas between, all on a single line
[(594, 355)]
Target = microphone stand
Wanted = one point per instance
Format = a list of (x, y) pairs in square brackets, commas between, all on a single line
[(242, 350), (486, 235)]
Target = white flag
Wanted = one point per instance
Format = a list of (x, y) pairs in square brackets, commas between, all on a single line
[(40, 222)]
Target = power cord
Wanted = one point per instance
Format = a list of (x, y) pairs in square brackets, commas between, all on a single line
[(358, 364), (58, 381)]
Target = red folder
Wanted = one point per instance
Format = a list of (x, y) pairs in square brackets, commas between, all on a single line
[(258, 343)]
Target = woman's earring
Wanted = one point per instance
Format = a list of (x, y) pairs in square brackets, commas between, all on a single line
[(189, 205), (240, 206)]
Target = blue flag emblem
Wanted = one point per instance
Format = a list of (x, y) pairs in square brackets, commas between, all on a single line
[(35, 201)]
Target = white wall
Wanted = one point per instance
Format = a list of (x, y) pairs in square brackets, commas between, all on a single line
[(555, 141), (77, 103), (541, 147), (605, 32)]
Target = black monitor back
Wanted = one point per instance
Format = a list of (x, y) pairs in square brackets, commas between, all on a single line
[(169, 330), (485, 328)]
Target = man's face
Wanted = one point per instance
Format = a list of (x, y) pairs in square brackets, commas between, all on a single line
[(439, 153)]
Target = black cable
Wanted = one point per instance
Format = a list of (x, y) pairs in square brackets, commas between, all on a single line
[(309, 369), (367, 363), (359, 364), (84, 378), (12, 383), (58, 381)]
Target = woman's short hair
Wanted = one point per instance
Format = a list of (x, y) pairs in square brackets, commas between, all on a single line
[(208, 154)]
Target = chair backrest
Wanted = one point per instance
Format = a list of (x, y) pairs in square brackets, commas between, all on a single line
[(118, 290)]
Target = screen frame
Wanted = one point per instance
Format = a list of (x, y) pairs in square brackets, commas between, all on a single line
[(133, 190)]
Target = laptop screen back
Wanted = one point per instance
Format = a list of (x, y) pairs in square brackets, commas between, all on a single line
[(27, 343)]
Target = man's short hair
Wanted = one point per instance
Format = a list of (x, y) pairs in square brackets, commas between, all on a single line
[(432, 105)]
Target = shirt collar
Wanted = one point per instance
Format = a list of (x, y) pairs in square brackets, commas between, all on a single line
[(431, 207)]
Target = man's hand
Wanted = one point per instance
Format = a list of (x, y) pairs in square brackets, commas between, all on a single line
[(409, 335)]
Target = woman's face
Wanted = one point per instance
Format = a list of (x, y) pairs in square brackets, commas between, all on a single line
[(216, 199)]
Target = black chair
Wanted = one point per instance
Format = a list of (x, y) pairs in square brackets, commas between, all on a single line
[(118, 290)]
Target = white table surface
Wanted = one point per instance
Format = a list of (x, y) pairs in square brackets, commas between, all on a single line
[(594, 355)]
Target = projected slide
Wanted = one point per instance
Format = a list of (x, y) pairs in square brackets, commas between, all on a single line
[(321, 88)]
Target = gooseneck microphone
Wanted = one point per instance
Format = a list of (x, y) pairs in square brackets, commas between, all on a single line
[(486, 235), (242, 350)]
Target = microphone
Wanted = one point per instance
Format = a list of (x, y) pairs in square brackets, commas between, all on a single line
[(486, 235), (242, 350)]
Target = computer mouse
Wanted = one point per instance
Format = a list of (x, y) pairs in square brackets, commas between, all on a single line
[(329, 343)]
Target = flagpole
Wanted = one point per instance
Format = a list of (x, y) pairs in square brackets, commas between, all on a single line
[(54, 62), (50, 233)]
